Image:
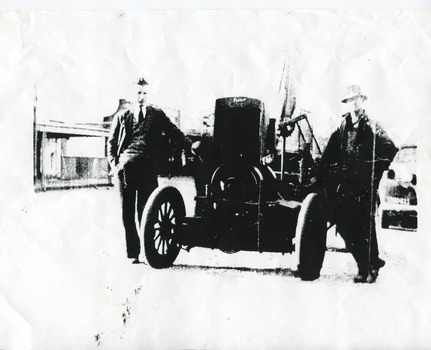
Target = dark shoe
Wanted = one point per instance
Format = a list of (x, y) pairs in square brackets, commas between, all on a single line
[(379, 264), (366, 275), (373, 276), (374, 273), (361, 278), (134, 258), (306, 275), (366, 278)]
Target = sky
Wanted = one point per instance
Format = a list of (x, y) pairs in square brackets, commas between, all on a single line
[(82, 63)]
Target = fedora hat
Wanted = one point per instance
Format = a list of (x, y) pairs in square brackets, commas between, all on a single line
[(141, 81), (353, 92)]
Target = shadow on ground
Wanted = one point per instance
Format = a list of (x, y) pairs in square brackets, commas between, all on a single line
[(221, 269)]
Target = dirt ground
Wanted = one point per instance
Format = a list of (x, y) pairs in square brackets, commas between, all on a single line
[(66, 284)]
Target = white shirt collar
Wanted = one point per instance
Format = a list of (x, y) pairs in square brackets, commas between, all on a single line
[(136, 111)]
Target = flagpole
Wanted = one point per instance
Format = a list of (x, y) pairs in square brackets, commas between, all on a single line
[(289, 102)]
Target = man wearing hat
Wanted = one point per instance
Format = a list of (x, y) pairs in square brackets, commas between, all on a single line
[(132, 149), (356, 156)]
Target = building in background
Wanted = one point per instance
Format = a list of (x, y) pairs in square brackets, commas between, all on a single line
[(70, 155)]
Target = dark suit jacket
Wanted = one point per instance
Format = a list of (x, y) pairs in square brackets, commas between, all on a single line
[(374, 147), (156, 123)]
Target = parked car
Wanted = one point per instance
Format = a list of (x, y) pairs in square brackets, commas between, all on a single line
[(397, 191)]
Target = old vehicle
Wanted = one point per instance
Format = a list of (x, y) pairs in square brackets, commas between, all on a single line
[(241, 205), (397, 191)]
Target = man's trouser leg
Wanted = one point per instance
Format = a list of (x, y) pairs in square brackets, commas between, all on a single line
[(367, 226), (144, 192), (128, 207), (371, 231), (353, 224)]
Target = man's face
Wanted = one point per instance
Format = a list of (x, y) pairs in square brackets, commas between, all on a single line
[(355, 104), (142, 94)]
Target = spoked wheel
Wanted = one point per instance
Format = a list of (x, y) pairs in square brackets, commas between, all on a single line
[(162, 219), (311, 236)]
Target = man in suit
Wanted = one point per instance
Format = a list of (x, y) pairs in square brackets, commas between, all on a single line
[(135, 137), (354, 160)]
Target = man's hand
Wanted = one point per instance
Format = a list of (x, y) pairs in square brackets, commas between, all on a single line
[(113, 171), (115, 167)]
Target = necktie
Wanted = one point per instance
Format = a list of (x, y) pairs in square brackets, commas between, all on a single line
[(141, 115)]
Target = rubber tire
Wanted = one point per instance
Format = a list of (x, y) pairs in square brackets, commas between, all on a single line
[(150, 218), (311, 233)]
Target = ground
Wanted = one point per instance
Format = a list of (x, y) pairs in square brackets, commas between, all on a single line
[(66, 284)]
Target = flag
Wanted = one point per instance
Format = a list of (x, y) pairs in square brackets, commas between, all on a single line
[(286, 87)]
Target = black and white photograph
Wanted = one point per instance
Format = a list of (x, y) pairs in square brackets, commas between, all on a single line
[(215, 179)]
